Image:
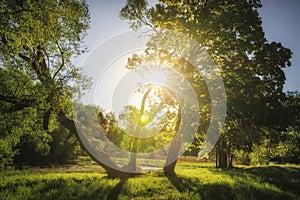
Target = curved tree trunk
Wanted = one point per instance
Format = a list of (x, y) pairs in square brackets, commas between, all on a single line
[(134, 144), (113, 172)]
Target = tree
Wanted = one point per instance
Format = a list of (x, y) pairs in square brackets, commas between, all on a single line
[(251, 67), (286, 142), (38, 39), (130, 129)]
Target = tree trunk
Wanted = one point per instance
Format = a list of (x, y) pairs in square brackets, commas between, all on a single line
[(172, 156), (217, 156), (134, 145), (132, 159), (231, 160), (174, 149), (132, 163), (221, 156), (112, 170), (222, 160)]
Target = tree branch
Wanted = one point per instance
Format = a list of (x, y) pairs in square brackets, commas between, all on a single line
[(111, 168), (19, 103), (62, 61), (15, 12)]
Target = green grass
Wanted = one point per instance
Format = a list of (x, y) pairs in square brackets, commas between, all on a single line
[(192, 181)]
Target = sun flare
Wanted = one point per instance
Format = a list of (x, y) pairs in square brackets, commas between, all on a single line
[(156, 77)]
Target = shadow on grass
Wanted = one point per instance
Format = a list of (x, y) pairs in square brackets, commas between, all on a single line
[(115, 191), (205, 191), (238, 185), (88, 189), (285, 178), (268, 182)]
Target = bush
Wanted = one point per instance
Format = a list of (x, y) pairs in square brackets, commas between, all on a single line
[(259, 155)]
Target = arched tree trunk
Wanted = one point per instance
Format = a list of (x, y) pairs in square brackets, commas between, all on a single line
[(112, 170)]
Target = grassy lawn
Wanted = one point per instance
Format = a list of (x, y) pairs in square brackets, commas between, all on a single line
[(192, 181)]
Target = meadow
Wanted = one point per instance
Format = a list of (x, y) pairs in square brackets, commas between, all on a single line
[(192, 181)]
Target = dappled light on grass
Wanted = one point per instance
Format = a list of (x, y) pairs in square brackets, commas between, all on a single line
[(192, 181)]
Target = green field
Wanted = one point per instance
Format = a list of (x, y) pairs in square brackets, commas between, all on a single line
[(192, 181)]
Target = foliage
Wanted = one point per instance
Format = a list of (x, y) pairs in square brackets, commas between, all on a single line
[(38, 39), (133, 121), (251, 67)]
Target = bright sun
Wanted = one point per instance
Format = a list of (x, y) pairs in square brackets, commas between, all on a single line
[(144, 119), (157, 77)]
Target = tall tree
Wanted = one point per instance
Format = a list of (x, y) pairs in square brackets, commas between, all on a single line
[(251, 67), (38, 39)]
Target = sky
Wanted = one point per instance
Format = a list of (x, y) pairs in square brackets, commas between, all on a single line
[(280, 23)]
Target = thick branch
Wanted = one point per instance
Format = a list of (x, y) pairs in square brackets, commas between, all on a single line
[(46, 119), (15, 100), (110, 167), (18, 103), (15, 12)]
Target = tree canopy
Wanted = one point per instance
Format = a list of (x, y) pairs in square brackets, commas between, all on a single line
[(38, 40), (251, 67)]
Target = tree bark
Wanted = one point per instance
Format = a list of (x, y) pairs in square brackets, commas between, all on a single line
[(134, 147), (112, 169), (230, 161), (174, 149), (221, 155), (169, 169)]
